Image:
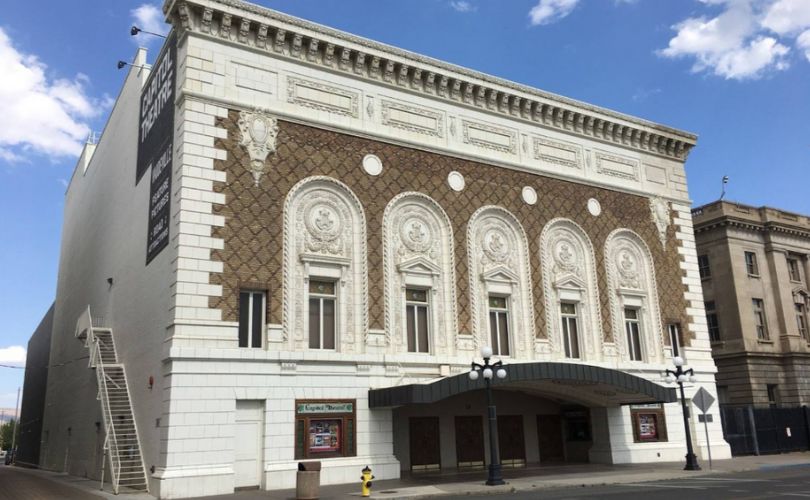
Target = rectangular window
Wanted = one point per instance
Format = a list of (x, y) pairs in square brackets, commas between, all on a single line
[(793, 269), (416, 312), (499, 325), (324, 429), (649, 423), (801, 320), (773, 395), (703, 267), (751, 264), (251, 318), (674, 330), (632, 327), (570, 333), (322, 314), (711, 321), (759, 319)]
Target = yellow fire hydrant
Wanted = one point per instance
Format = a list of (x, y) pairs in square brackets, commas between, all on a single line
[(365, 482)]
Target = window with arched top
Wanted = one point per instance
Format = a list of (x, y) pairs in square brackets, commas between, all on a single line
[(420, 299), (635, 313), (500, 282), (325, 270), (570, 291)]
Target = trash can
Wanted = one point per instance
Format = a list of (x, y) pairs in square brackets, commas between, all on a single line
[(308, 481)]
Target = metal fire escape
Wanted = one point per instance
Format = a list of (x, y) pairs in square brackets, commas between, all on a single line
[(121, 444)]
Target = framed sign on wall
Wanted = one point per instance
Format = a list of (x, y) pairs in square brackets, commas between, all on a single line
[(325, 428)]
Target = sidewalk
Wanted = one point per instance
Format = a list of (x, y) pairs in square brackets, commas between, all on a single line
[(534, 478), (531, 478)]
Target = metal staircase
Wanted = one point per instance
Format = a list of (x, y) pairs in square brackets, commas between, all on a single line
[(121, 443)]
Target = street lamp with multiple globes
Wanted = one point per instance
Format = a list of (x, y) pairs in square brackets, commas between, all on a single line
[(488, 370), (680, 376)]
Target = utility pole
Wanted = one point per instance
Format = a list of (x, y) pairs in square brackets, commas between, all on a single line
[(14, 432), (2, 424)]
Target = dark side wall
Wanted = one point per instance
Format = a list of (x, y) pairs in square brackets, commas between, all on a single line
[(33, 398)]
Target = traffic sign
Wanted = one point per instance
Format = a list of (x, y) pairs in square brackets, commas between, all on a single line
[(703, 400)]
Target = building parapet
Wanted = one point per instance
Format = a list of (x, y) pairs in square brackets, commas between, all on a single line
[(294, 38), (764, 218)]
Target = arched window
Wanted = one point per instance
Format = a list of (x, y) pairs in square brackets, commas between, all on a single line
[(420, 299), (633, 292), (325, 275), (500, 283), (571, 292)]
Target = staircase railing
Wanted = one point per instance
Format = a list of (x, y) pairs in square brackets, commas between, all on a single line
[(84, 327)]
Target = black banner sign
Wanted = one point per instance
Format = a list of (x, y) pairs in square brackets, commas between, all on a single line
[(156, 123), (160, 192), (155, 139)]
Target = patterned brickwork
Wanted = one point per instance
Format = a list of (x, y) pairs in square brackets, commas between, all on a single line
[(254, 219)]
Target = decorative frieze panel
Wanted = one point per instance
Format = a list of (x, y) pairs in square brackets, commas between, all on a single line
[(616, 166), (254, 79), (412, 118), (656, 175), (558, 153), (490, 137), (323, 97)]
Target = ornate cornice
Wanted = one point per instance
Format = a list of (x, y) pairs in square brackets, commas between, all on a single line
[(294, 38)]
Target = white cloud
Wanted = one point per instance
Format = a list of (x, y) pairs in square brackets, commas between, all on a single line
[(13, 355), (42, 115), (550, 11), (787, 16), (803, 43), (148, 17), (738, 43), (462, 6)]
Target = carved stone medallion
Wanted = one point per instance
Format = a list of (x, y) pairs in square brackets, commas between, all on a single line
[(496, 245), (627, 267), (416, 234), (324, 225)]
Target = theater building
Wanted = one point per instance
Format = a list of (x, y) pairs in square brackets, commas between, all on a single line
[(290, 243)]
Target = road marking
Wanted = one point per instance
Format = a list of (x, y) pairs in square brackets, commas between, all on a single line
[(650, 485), (796, 494), (729, 479)]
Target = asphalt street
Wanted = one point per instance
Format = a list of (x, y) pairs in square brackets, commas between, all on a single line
[(769, 483), (17, 484)]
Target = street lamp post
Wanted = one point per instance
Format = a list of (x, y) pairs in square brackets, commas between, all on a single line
[(680, 376), (487, 370)]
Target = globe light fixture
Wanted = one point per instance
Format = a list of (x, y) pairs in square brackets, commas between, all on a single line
[(488, 370), (681, 376)]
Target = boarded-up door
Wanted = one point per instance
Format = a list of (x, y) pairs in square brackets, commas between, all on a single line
[(469, 441), (248, 443), (510, 440), (424, 437), (549, 437)]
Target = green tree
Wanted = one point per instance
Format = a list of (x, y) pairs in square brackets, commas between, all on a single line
[(6, 436)]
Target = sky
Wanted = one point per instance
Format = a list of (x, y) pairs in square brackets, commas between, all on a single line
[(734, 72)]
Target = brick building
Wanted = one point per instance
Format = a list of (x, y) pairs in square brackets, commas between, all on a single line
[(290, 243)]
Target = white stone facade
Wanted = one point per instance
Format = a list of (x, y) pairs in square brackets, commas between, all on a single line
[(236, 56)]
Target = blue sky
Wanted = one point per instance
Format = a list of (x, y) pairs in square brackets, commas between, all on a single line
[(735, 72)]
